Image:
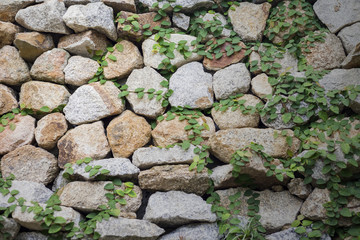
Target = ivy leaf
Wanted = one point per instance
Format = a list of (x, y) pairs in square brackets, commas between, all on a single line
[(55, 228), (345, 212), (345, 147), (114, 212), (60, 220), (93, 172), (335, 109), (286, 117), (45, 109), (109, 186), (112, 57), (88, 168), (119, 47)]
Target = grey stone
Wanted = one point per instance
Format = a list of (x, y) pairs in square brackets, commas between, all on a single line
[(59, 181), (44, 17), (231, 80), (119, 168), (31, 191), (93, 102), (350, 36), (68, 3), (96, 16), (146, 78), (121, 5), (353, 58), (290, 234), (336, 15), (187, 6), (260, 86), (222, 177), (9, 8), (176, 208), (148, 157), (181, 21), (9, 227), (80, 70), (192, 86), (31, 236), (7, 99), (313, 208), (124, 229), (203, 231), (13, 69), (297, 187)]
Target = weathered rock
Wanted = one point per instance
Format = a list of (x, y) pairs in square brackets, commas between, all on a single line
[(277, 209), (126, 60), (88, 196), (44, 17), (176, 208), (313, 208), (80, 70), (93, 102), (187, 6), (148, 157), (59, 181), (217, 64), (23, 133), (222, 177), (119, 168), (146, 78), (13, 69), (126, 133), (181, 21), (192, 86), (96, 16), (27, 220), (84, 44), (31, 191), (31, 236), (123, 229), (174, 177), (231, 80), (7, 33), (7, 99), (353, 58), (249, 20), (153, 58), (35, 95), (9, 8), (260, 86), (203, 231), (171, 132), (336, 15), (137, 34), (121, 5), (69, 3), (87, 140), (350, 36), (325, 55), (32, 44), (50, 129), (338, 79), (297, 187), (237, 119), (290, 234), (224, 143), (9, 229), (29, 163)]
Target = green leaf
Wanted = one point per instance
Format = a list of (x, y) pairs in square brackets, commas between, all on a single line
[(286, 117), (119, 47), (335, 109), (109, 186), (60, 220), (45, 109), (55, 228), (354, 231), (315, 233), (112, 57), (114, 212), (345, 212), (345, 147), (88, 168), (93, 172), (127, 28), (279, 177), (117, 182)]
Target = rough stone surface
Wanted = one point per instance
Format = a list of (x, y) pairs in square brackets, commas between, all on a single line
[(146, 78), (187, 6), (353, 59), (174, 177), (192, 86), (336, 15), (44, 17), (59, 181), (84, 44), (121, 5), (170, 132), (9, 8), (13, 69), (31, 191), (153, 58), (313, 208), (93, 102), (290, 234), (148, 157), (29, 163), (32, 44), (203, 231), (88, 196), (126, 133), (249, 20), (96, 16), (124, 229), (231, 80), (87, 140), (127, 60), (23, 133), (297, 187), (350, 36), (7, 33), (50, 129), (260, 86), (35, 95), (225, 142), (181, 21), (50, 66), (7, 99), (222, 177), (80, 70), (10, 227), (237, 119), (31, 236), (277, 209), (176, 208), (119, 168), (325, 55)]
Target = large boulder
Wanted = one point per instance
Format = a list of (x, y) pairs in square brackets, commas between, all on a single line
[(260, 86), (350, 36), (7, 33), (313, 206), (80, 70), (7, 99), (353, 58), (9, 8)]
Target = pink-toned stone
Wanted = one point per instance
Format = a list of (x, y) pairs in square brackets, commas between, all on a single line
[(7, 33), (7, 99)]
